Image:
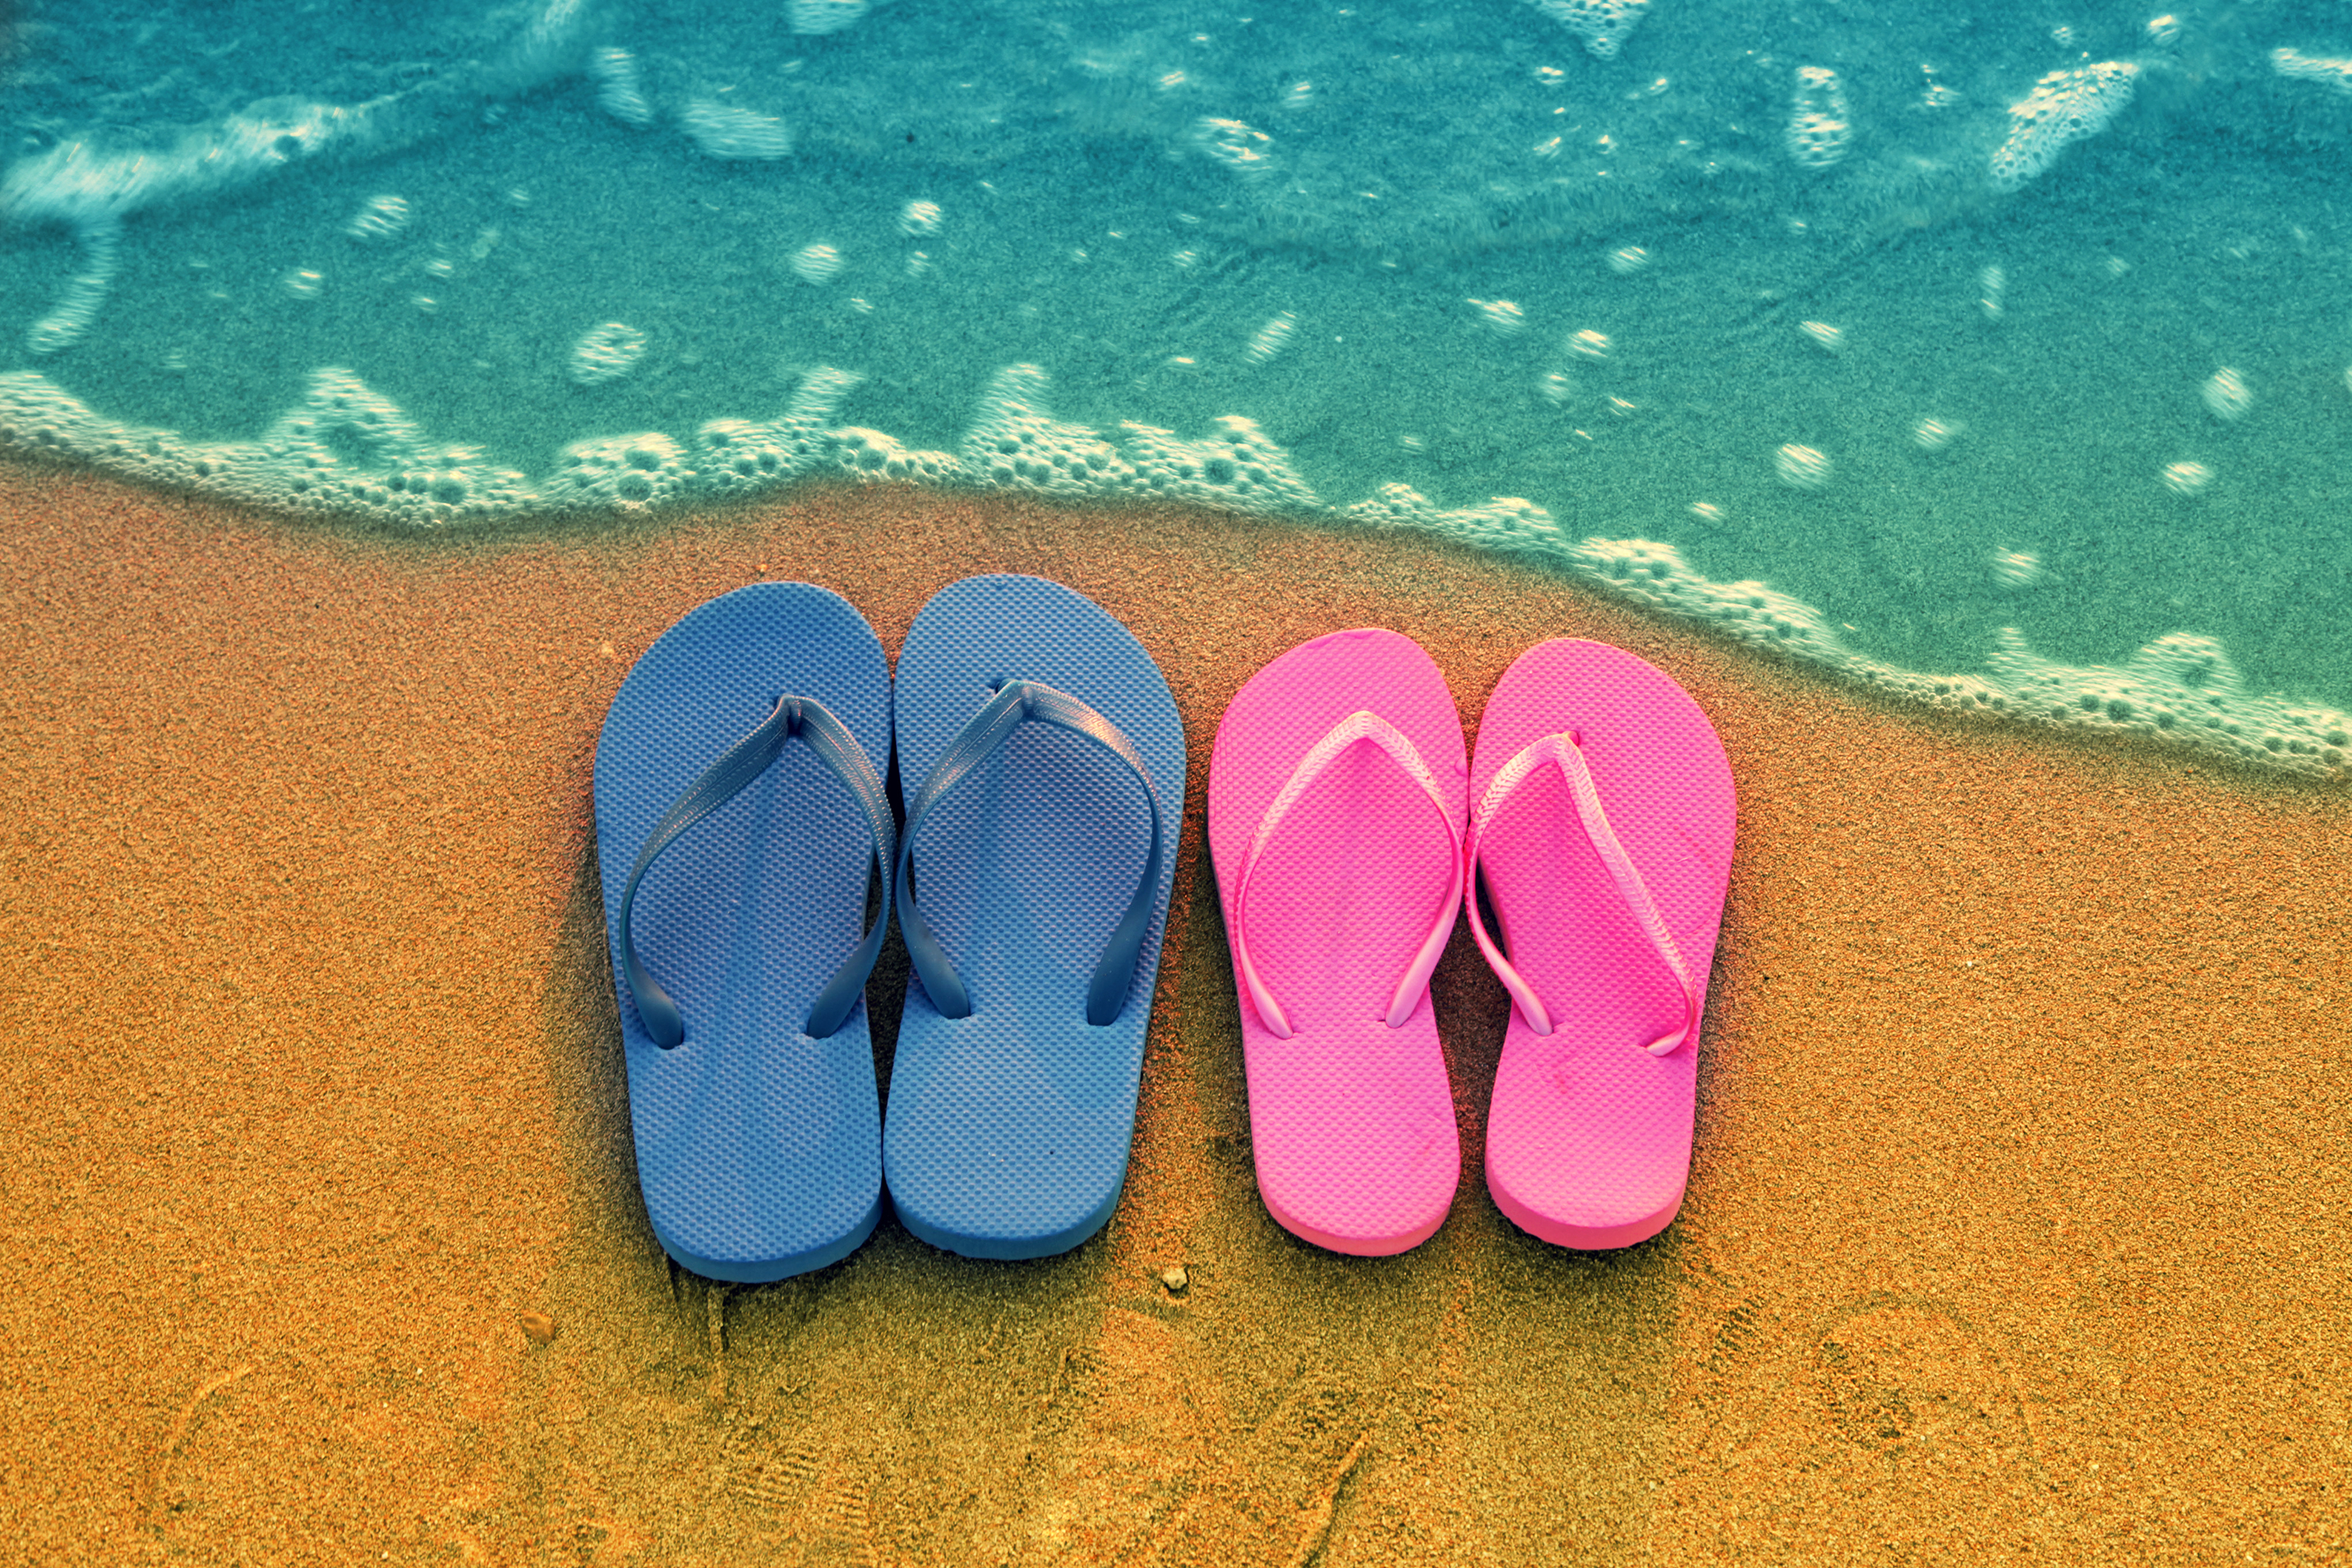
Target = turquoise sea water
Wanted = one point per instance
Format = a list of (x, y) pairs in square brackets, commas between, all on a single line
[(1994, 358)]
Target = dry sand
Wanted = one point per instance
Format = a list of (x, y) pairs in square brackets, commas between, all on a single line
[(2017, 1228)]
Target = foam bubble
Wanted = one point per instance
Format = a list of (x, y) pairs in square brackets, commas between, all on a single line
[(79, 183), (2187, 479), (38, 415), (1603, 24), (1236, 146), (2181, 689), (77, 306), (1933, 434), (2016, 568), (870, 455), (1015, 443), (818, 263), (2064, 107), (1502, 316), (343, 448), (346, 446), (1239, 469), (736, 456), (729, 131), (620, 89), (1511, 525), (1821, 131), (379, 218), (813, 18), (2226, 394), (605, 353), (1802, 468), (1655, 573), (624, 472), (1271, 338), (336, 402), (2329, 72)]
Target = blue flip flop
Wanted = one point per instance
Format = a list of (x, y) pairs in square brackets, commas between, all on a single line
[(740, 819), (1044, 765)]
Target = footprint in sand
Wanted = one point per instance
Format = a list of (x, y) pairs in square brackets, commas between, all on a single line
[(810, 1498), (1275, 1491), (1891, 1418)]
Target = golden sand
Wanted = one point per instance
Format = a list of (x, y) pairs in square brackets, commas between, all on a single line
[(2017, 1227)]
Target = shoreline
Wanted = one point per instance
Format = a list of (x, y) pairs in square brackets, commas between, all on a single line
[(2182, 690)]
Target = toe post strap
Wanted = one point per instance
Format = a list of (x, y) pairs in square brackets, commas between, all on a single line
[(793, 717), (1361, 727), (1018, 703), (1565, 750)]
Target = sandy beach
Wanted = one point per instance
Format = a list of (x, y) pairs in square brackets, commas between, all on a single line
[(2017, 1229)]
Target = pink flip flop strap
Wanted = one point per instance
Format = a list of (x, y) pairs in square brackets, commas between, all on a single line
[(1566, 749), (1357, 726)]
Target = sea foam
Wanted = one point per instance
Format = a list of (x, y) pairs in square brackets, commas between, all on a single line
[(345, 448)]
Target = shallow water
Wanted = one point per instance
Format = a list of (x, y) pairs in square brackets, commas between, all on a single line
[(2100, 398)]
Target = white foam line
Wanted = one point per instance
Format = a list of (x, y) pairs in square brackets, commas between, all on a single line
[(77, 307), (2180, 690)]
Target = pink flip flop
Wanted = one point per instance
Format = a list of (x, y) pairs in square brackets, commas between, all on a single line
[(1338, 795), (1602, 820)]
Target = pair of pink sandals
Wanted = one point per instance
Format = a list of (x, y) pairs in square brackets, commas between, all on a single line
[(1349, 830)]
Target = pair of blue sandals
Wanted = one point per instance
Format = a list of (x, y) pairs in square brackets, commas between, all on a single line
[(741, 824)]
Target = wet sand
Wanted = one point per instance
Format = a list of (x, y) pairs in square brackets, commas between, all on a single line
[(2017, 1229)]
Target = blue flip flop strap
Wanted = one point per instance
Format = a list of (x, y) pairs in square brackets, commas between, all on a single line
[(1014, 702), (725, 779)]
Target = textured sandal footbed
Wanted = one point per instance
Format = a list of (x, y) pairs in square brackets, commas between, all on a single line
[(757, 1147), (1589, 1136), (1009, 1130), (1351, 1121)]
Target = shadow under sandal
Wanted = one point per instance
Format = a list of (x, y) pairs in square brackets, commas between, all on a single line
[(741, 820), (1602, 822), (1032, 888)]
